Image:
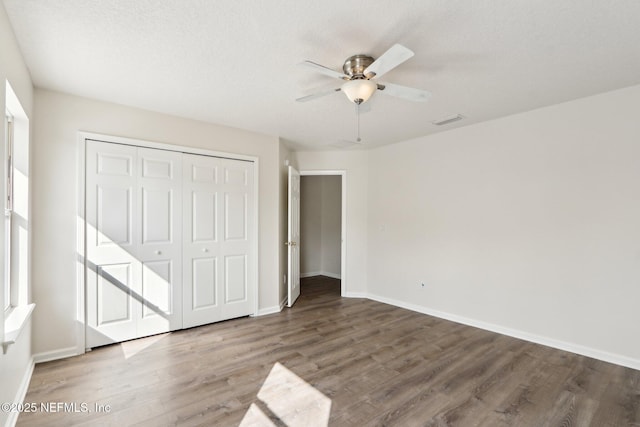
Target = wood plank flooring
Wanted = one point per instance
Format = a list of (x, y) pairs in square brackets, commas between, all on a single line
[(333, 361)]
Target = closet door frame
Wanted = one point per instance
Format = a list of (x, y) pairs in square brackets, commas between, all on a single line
[(81, 272)]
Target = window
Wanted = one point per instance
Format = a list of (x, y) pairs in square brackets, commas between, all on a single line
[(14, 237)]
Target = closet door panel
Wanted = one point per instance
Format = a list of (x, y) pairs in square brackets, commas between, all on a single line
[(157, 289), (235, 281), (201, 246), (236, 246), (204, 205), (160, 240), (112, 266), (235, 216), (217, 247), (204, 283), (113, 215)]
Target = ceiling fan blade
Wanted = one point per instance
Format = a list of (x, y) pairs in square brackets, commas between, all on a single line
[(318, 94), (404, 92), (324, 70), (345, 143), (389, 60)]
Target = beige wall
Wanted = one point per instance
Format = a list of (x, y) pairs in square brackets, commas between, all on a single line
[(310, 225), (320, 222), (331, 224), (528, 225), (16, 363), (58, 119)]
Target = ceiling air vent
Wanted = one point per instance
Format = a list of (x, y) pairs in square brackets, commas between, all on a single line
[(447, 120)]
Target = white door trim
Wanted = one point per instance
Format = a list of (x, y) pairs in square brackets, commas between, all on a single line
[(343, 220), (82, 137)]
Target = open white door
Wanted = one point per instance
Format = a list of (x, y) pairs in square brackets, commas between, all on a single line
[(293, 243)]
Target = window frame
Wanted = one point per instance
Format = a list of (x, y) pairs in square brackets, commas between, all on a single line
[(8, 210)]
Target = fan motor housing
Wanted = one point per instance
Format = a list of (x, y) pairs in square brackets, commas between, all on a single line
[(355, 65)]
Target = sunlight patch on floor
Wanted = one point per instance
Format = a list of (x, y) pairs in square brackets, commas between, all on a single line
[(288, 399), (255, 417), (133, 347)]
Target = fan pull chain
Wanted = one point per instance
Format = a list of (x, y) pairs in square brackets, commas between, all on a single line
[(358, 120)]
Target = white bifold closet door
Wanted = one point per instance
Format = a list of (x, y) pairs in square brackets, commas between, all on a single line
[(218, 284), (168, 241), (134, 242)]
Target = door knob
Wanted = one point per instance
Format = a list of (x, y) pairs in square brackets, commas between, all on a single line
[(205, 250), (158, 252)]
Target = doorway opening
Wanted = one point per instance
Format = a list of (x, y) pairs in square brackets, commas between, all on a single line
[(322, 225)]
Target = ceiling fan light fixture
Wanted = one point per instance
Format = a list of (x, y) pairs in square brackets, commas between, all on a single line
[(359, 90)]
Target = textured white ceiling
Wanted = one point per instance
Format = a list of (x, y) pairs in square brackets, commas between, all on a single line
[(233, 62)]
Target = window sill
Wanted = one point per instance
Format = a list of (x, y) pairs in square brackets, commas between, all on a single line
[(14, 323)]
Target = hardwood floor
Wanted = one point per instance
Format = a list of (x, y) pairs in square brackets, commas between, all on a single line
[(336, 361)]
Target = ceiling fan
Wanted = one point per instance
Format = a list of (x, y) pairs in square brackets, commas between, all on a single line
[(360, 77)]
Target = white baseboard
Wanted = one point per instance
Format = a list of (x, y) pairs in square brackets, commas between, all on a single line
[(549, 342), (21, 393), (63, 353), (356, 295), (273, 309), (320, 273), (310, 274)]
